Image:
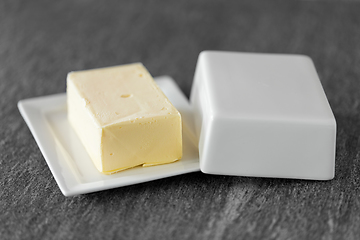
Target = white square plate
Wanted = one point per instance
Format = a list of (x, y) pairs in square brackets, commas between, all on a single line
[(68, 160)]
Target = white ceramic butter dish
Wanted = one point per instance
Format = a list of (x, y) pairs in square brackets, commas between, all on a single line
[(260, 115)]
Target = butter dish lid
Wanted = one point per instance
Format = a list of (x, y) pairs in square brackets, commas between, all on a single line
[(262, 115)]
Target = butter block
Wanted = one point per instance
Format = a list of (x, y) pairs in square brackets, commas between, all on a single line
[(262, 115), (122, 118)]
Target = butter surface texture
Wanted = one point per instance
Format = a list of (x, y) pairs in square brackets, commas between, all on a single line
[(122, 118)]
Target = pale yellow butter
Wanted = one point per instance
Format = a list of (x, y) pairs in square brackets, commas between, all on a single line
[(122, 118)]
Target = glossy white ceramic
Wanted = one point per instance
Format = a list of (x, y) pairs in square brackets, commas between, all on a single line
[(262, 115), (70, 164)]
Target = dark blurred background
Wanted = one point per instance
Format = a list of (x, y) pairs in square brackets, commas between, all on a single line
[(41, 41)]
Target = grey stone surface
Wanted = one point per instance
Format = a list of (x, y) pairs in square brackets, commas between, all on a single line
[(40, 41)]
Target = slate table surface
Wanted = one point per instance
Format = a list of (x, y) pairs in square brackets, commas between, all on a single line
[(41, 41)]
